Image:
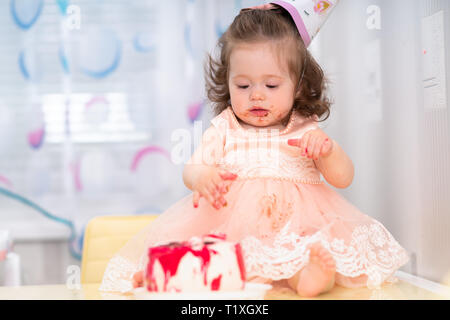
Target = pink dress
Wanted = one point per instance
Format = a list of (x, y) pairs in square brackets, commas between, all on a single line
[(277, 207)]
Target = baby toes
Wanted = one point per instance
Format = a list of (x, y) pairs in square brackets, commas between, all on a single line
[(329, 264), (321, 256)]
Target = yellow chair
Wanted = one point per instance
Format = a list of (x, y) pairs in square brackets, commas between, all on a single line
[(103, 237)]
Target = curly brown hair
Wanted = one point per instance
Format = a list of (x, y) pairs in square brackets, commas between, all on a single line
[(275, 25)]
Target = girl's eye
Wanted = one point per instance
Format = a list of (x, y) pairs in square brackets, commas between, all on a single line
[(268, 86)]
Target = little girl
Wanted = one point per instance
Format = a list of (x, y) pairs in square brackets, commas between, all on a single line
[(256, 175)]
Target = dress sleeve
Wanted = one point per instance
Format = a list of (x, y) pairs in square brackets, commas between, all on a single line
[(311, 124), (221, 123)]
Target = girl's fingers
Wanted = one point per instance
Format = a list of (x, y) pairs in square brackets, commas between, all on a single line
[(196, 198), (227, 175), (219, 183), (228, 179), (213, 191), (213, 203), (208, 196), (317, 148), (326, 148), (219, 192), (221, 188), (211, 199), (222, 201), (295, 142), (323, 150), (304, 144), (299, 143), (218, 197), (226, 186), (311, 145)]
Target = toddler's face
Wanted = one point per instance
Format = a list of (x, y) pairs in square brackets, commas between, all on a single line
[(258, 81)]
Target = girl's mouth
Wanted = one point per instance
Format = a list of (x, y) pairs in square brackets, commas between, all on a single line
[(259, 112)]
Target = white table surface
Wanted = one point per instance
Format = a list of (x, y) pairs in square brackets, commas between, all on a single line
[(401, 290)]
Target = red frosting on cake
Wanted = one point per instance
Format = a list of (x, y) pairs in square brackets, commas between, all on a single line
[(169, 257), (215, 284), (240, 259)]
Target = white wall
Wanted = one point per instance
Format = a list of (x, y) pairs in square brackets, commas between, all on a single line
[(400, 149)]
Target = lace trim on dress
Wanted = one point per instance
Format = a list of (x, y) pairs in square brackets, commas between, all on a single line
[(296, 180), (278, 166), (118, 275), (372, 251)]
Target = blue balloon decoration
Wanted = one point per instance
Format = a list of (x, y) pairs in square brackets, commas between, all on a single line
[(22, 66), (103, 54), (63, 60), (63, 4), (26, 12), (141, 44), (30, 71)]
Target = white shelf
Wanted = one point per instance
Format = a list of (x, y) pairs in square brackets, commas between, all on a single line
[(33, 230), (434, 287)]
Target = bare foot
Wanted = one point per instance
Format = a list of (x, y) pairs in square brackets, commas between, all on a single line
[(138, 279), (317, 276), (260, 280)]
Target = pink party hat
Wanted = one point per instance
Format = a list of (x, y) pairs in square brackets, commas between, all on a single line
[(308, 15)]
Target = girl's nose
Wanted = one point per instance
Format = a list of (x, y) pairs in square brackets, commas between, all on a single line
[(257, 95)]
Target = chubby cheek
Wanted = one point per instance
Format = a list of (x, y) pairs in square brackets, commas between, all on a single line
[(237, 99), (279, 116)]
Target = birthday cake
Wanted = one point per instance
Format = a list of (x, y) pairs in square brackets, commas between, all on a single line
[(209, 263)]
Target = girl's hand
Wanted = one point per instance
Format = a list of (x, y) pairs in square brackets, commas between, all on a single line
[(138, 279), (314, 144), (212, 184)]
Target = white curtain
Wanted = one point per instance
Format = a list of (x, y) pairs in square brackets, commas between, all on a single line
[(93, 97)]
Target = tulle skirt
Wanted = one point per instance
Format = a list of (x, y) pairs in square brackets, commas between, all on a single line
[(276, 221)]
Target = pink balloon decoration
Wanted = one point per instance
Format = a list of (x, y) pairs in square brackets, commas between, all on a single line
[(36, 137), (5, 181), (194, 110), (148, 150), (95, 100), (75, 169)]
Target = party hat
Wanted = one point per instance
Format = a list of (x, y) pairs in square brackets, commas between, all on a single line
[(308, 15)]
